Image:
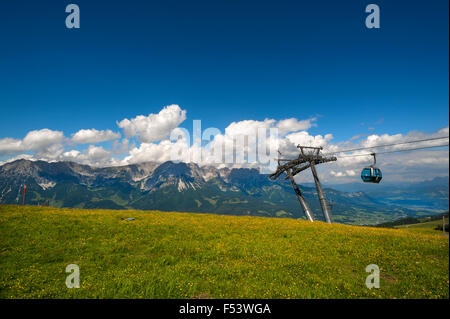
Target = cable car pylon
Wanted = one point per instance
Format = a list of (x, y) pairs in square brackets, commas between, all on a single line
[(292, 167)]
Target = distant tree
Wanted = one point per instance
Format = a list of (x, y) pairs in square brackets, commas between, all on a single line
[(439, 227)]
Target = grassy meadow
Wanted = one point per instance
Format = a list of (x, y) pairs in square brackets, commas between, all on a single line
[(186, 255), (428, 227)]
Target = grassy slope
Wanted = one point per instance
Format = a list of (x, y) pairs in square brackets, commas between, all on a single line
[(178, 255), (425, 227)]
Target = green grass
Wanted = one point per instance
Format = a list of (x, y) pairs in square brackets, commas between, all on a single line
[(425, 226), (185, 255)]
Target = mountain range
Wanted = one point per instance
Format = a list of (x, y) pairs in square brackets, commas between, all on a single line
[(188, 188)]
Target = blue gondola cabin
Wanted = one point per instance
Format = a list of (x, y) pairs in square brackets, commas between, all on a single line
[(371, 175)]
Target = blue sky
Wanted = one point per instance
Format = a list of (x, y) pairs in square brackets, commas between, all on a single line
[(223, 62)]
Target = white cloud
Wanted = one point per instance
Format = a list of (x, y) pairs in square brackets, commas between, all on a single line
[(337, 174), (155, 146), (247, 127), (37, 140), (94, 136), (41, 139), (97, 153), (348, 172), (123, 147), (10, 146), (159, 152), (293, 125), (18, 157), (401, 166), (346, 169), (154, 127), (49, 146), (93, 155), (150, 152), (303, 138), (98, 156), (71, 155)]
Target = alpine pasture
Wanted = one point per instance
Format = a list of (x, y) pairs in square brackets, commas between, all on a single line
[(187, 255)]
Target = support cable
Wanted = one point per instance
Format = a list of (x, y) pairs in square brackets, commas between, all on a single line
[(395, 151), (386, 145)]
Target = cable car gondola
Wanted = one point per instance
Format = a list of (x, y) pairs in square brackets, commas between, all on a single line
[(371, 174)]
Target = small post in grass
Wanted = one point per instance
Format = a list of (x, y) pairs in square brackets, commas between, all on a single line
[(24, 191), (443, 225)]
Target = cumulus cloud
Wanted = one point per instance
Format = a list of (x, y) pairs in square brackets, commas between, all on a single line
[(303, 138), (10, 146), (347, 168), (406, 165), (49, 145), (38, 140), (248, 127), (285, 126), (247, 143), (122, 147), (41, 139), (93, 136), (150, 152), (93, 155), (97, 153), (293, 125), (239, 145), (154, 127), (18, 157), (70, 155), (348, 172)]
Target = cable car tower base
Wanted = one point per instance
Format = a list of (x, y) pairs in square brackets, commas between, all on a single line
[(309, 157)]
